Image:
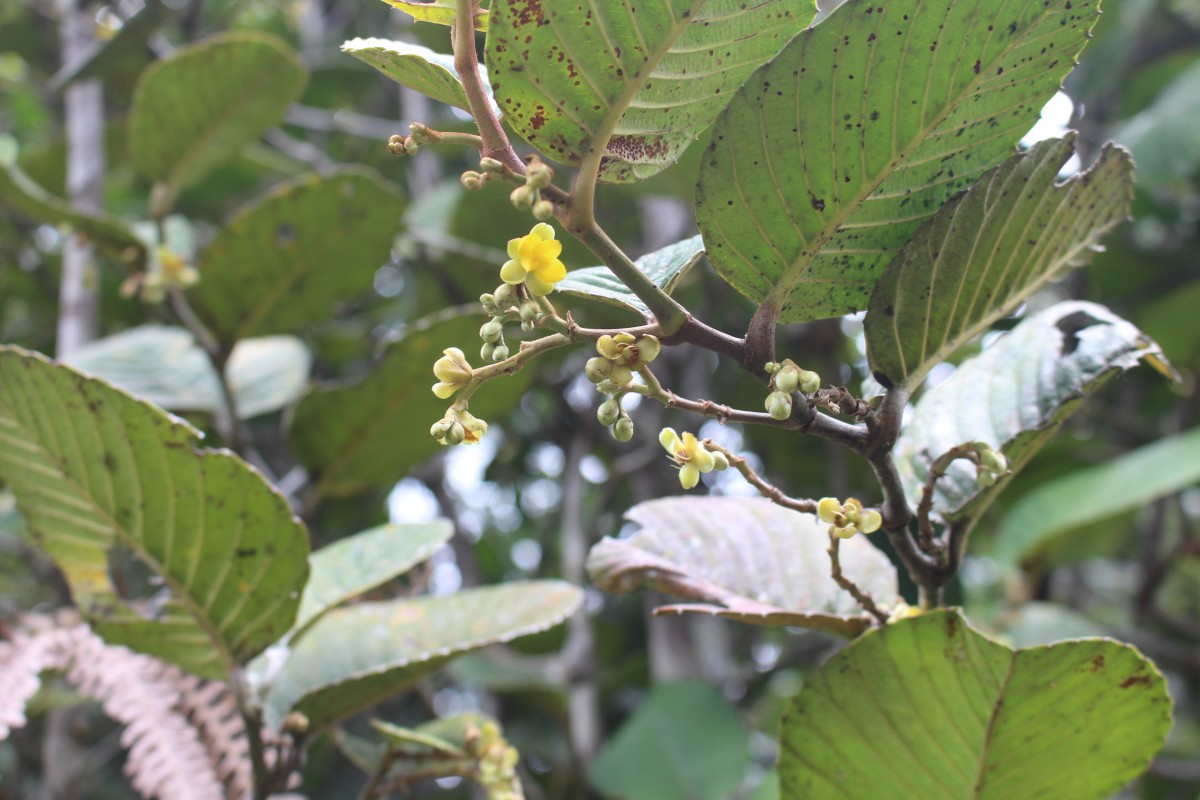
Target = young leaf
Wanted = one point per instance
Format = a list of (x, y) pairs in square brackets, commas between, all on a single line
[(1014, 396), (165, 366), (745, 559), (645, 762), (356, 656), (94, 470), (639, 82), (19, 192), (1128, 482), (207, 101), (293, 255), (441, 12), (983, 721), (417, 67), (349, 567), (373, 431), (830, 157), (987, 251), (665, 267)]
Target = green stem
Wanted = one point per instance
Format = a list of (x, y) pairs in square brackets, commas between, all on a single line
[(671, 316)]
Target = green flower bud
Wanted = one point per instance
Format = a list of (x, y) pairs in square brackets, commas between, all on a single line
[(491, 165), (487, 352), (810, 382), (505, 296), (491, 331), (522, 197), (622, 431), (609, 411), (993, 460), (500, 353), (985, 477), (543, 210), (439, 429), (530, 311), (422, 134), (395, 144), (779, 405), (454, 434), (720, 461), (597, 369), (787, 379), (539, 175), (771, 367), (411, 147), (471, 181)]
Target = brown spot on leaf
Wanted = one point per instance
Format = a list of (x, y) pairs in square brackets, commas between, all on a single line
[(1141, 679)]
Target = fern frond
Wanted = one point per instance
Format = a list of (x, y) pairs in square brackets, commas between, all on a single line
[(213, 711), (38, 645)]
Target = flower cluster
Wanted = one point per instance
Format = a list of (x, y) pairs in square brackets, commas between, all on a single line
[(533, 260), (787, 378), (458, 426), (168, 270), (620, 356), (849, 518), (690, 455), (992, 464), (496, 761)]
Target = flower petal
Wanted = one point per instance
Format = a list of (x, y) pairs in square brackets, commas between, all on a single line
[(513, 246), (512, 272), (869, 521), (538, 287), (669, 439), (689, 476), (828, 508), (542, 230), (443, 390), (550, 270)]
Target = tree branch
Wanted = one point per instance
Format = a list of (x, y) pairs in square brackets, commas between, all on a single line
[(863, 598), (766, 489)]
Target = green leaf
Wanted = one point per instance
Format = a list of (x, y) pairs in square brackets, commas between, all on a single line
[(433, 749), (356, 656), (96, 471), (987, 251), (295, 254), (665, 267), (417, 67), (206, 102), (684, 741), (950, 714), (1014, 396), (110, 234), (441, 12), (372, 432), (829, 158), (639, 81), (1165, 138), (745, 559), (165, 366), (1125, 483), (424, 740), (356, 564)]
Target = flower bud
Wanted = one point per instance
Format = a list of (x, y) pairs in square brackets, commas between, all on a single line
[(810, 382), (993, 460), (597, 369), (530, 311), (491, 331), (720, 461), (454, 434), (439, 428), (422, 134), (522, 197), (609, 411), (395, 144), (622, 431), (787, 379), (985, 477), (779, 405), (500, 353), (491, 165), (487, 351), (543, 210), (505, 297), (539, 174), (771, 367), (411, 147), (471, 181)]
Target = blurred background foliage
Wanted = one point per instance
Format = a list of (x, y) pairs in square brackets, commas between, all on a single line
[(589, 704)]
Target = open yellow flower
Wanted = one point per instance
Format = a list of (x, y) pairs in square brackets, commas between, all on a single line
[(534, 260), (849, 518), (689, 454)]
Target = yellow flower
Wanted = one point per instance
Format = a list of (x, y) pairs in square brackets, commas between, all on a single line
[(689, 454), (452, 372), (534, 260), (849, 518)]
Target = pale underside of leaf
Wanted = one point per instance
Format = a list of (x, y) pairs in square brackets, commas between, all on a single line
[(356, 656), (665, 267), (440, 12), (423, 70), (981, 720), (987, 251), (1014, 396), (744, 559), (640, 81), (94, 469), (833, 154)]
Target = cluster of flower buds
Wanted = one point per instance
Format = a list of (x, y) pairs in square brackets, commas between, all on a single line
[(786, 378), (690, 455), (612, 415), (495, 760), (399, 145), (452, 371), (168, 270), (458, 426), (620, 356), (538, 176), (992, 464), (848, 518)]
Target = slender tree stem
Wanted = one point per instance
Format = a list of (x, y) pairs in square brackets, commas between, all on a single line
[(764, 487), (862, 597)]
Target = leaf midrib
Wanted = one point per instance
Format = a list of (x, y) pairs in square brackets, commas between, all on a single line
[(784, 287)]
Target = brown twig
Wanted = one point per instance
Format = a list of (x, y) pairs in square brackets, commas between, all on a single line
[(764, 487), (927, 539), (863, 598)]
